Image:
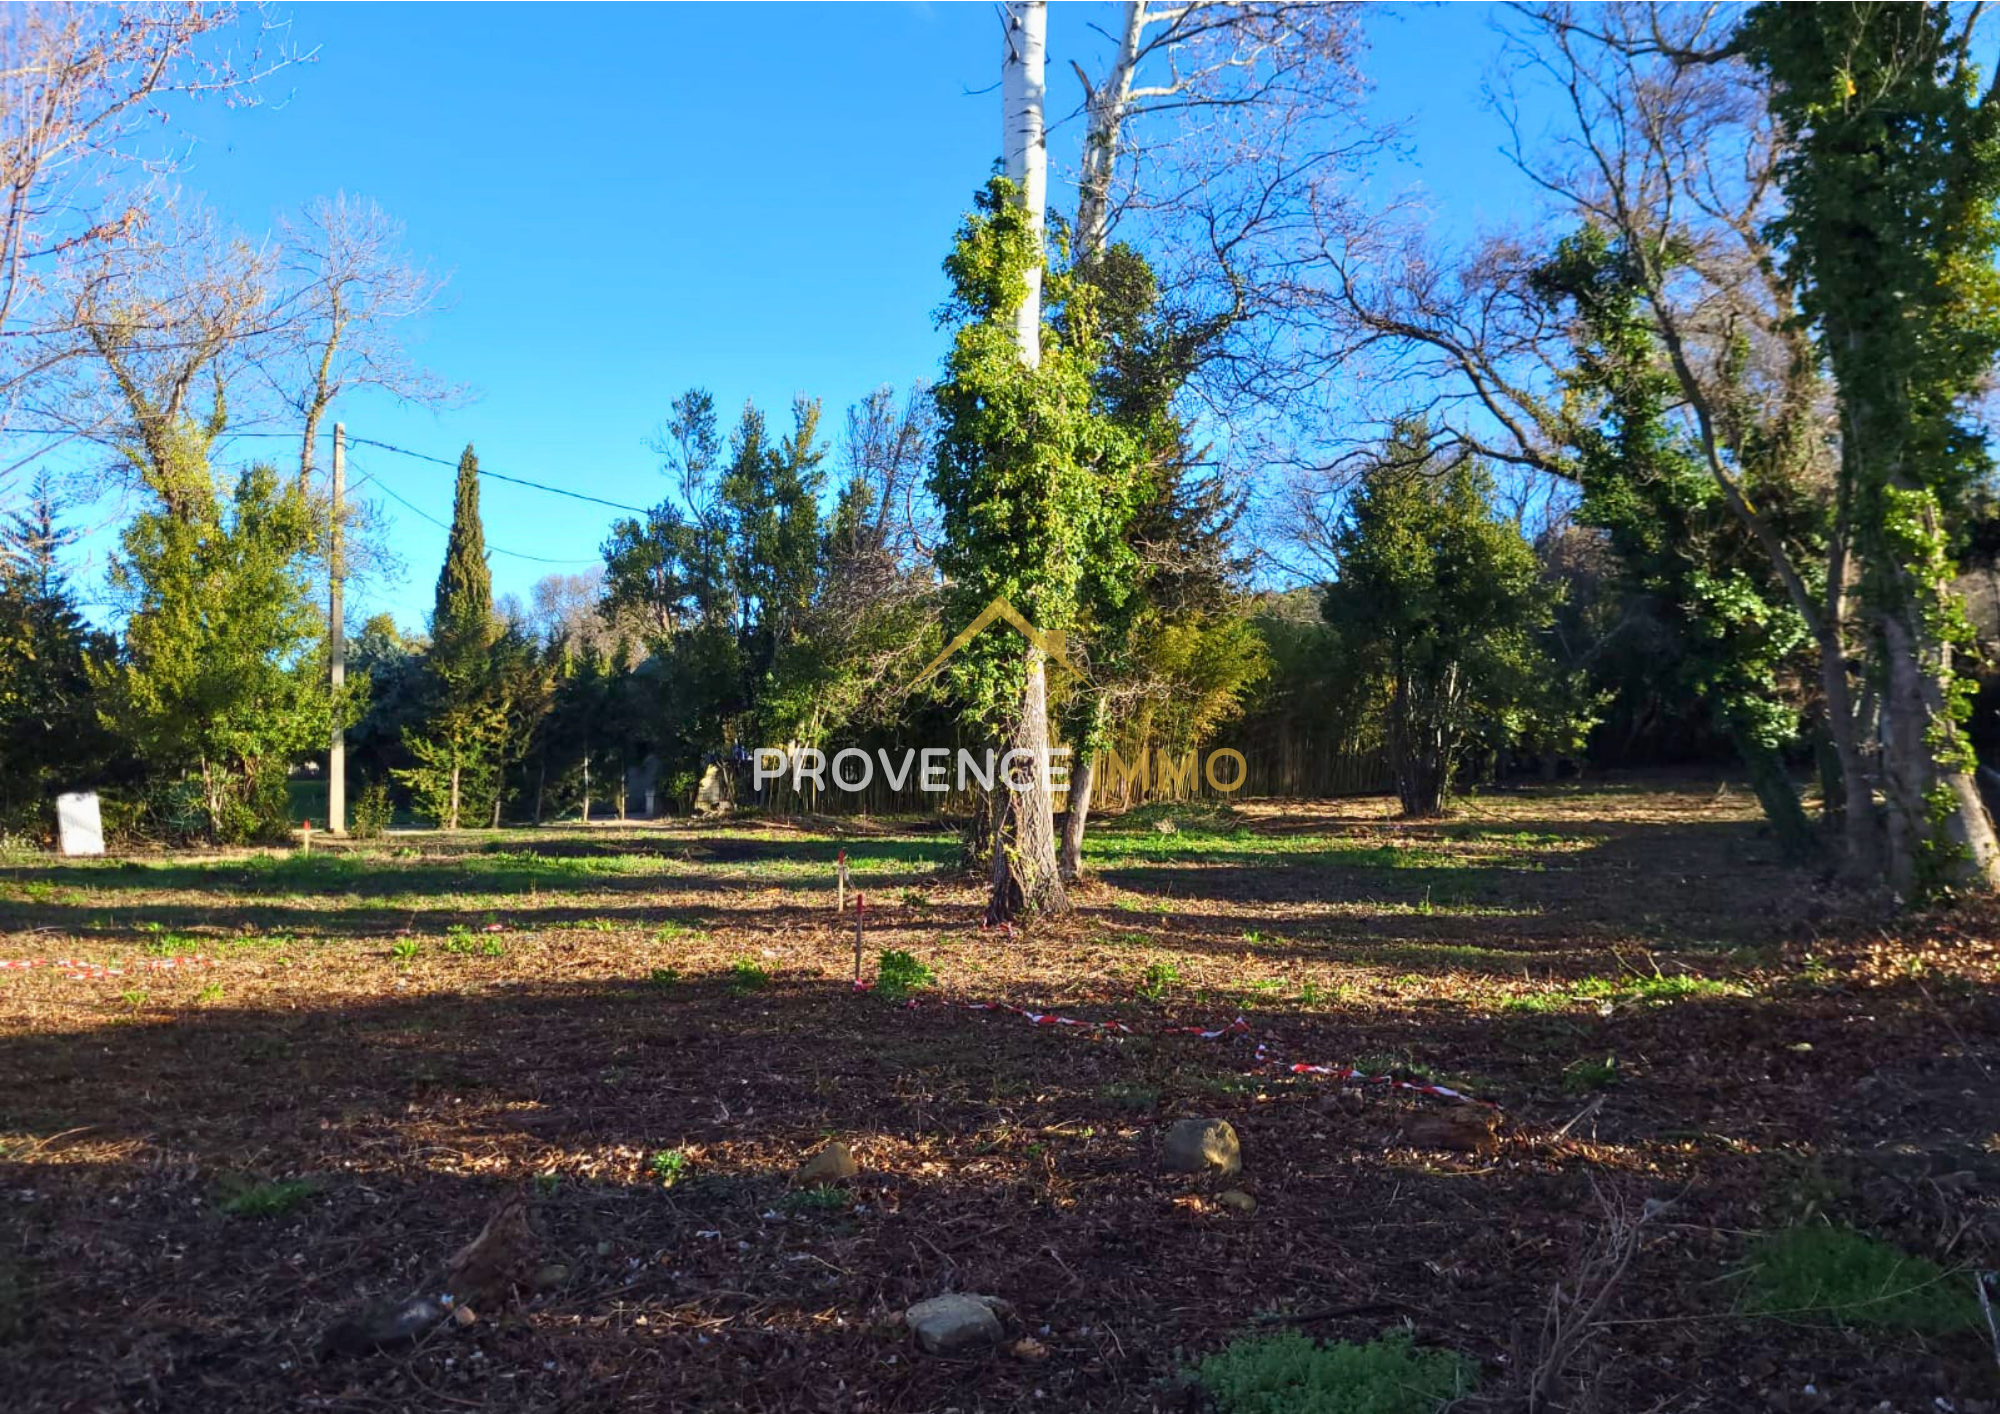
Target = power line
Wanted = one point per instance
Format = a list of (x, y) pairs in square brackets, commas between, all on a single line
[(445, 526), (354, 441), (498, 476)]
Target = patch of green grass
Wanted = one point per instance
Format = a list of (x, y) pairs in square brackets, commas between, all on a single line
[(547, 1184), (267, 1198), (406, 949), (669, 1166), (492, 947), (664, 977), (166, 944), (669, 931), (1159, 979), (1854, 1279), (1636, 989), (822, 1198), (211, 992), (594, 925), (1580, 1077), (1171, 818), (746, 976), (458, 939), (1386, 1063), (135, 998), (898, 975), (1289, 1373)]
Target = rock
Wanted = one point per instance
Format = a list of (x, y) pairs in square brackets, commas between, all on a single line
[(1028, 1348), (831, 1164), (488, 1267), (464, 1315), (1202, 1146), (955, 1323), (1470, 1129), (1239, 1200), (550, 1275), (384, 1325)]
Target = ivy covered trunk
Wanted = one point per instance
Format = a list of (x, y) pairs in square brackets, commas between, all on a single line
[(1940, 836), (1026, 880), (1890, 229)]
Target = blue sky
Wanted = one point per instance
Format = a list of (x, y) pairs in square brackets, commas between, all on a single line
[(633, 199)]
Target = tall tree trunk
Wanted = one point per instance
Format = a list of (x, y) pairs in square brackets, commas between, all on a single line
[(1106, 107), (1087, 746), (1940, 835), (1026, 881), (1025, 147)]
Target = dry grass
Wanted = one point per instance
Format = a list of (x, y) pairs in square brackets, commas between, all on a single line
[(367, 1043)]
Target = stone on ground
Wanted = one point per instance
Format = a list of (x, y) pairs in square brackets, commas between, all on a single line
[(1237, 1199), (831, 1164), (955, 1323), (1467, 1128), (1202, 1146)]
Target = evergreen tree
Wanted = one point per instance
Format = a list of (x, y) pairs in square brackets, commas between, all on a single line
[(466, 718), (1442, 601), (222, 682), (47, 719)]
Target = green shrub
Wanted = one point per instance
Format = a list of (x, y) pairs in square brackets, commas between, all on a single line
[(406, 949), (368, 817), (1858, 1280), (1160, 978), (898, 974), (746, 976), (1288, 1373), (664, 977), (669, 1166)]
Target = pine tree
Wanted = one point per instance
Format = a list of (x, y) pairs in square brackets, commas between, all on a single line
[(47, 719)]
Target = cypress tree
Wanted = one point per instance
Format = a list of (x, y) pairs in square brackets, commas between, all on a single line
[(462, 616), (465, 717)]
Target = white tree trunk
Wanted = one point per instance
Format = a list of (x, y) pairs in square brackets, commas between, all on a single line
[(1024, 144), (1106, 105)]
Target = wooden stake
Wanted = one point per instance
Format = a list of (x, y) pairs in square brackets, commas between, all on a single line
[(840, 878), (306, 833), (859, 907)]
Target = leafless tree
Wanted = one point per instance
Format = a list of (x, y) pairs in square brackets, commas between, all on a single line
[(162, 318), (78, 85), (342, 320)]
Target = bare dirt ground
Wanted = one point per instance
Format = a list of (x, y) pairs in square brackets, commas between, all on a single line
[(645, 1029)]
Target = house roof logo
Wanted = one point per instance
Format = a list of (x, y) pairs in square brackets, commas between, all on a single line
[(1053, 642)]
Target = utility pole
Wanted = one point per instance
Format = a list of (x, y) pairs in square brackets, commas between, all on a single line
[(336, 637)]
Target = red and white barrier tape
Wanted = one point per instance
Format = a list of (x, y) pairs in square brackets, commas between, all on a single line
[(79, 971)]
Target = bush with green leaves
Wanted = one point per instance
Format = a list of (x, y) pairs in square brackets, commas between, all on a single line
[(899, 974), (1854, 1279), (1288, 1373), (370, 813)]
